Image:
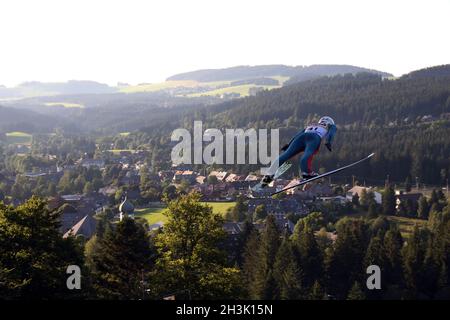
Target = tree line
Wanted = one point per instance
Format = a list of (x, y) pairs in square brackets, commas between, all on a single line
[(192, 257)]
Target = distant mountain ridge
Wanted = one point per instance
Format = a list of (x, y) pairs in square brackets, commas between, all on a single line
[(294, 72), (36, 88), (431, 72)]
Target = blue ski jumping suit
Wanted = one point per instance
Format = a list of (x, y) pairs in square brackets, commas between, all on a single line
[(307, 141)]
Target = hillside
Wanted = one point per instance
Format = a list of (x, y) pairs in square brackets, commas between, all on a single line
[(36, 89), (405, 121), (248, 72), (12, 119), (242, 81)]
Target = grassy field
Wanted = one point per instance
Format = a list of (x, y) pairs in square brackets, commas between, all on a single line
[(152, 87), (118, 151), (18, 137), (154, 215), (406, 225), (64, 104), (243, 90)]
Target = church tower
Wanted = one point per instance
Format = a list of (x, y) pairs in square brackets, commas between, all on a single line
[(126, 209)]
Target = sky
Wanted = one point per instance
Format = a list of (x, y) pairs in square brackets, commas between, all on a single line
[(137, 41)]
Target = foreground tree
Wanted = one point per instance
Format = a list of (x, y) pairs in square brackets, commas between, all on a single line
[(120, 261), (191, 260), (33, 255)]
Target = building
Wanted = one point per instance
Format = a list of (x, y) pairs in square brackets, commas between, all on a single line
[(404, 197), (234, 178), (358, 190), (87, 163), (187, 175), (220, 175), (85, 227), (126, 209)]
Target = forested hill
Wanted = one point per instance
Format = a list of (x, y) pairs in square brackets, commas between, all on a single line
[(297, 73), (405, 121), (361, 99)]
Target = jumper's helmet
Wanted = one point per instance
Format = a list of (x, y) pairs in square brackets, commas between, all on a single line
[(326, 121)]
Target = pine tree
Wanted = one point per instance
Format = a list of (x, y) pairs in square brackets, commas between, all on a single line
[(239, 211), (364, 200), (264, 285), (393, 243), (388, 201), (407, 184), (356, 293), (260, 212), (344, 263), (121, 261), (434, 197), (413, 261), (250, 264), (424, 209), (373, 211), (375, 253), (287, 273), (247, 231), (355, 200), (317, 292), (310, 257)]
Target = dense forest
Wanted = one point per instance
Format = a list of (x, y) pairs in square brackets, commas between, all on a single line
[(193, 258), (404, 121)]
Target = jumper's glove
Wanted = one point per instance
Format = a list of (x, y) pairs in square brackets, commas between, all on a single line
[(285, 147), (328, 145)]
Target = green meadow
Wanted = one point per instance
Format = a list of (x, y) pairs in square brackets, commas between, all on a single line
[(154, 215), (18, 137)]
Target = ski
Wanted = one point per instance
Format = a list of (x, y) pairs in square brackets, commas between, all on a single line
[(324, 174), (280, 171)]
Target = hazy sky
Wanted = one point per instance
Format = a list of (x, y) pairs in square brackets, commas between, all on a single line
[(147, 41)]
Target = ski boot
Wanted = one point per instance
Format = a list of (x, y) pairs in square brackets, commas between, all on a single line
[(307, 176), (266, 180)]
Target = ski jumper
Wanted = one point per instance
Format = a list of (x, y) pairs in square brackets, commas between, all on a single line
[(307, 141)]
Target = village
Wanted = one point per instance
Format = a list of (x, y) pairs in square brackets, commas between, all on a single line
[(124, 195)]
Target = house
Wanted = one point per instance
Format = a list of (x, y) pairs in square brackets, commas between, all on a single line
[(72, 198), (336, 199), (69, 217), (332, 236), (234, 178), (279, 206), (108, 190), (200, 179), (187, 175), (358, 190), (232, 228), (85, 227), (88, 163), (251, 177), (166, 175), (220, 175), (404, 197), (156, 226)]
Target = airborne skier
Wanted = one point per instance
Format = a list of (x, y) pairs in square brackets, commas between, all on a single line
[(307, 141)]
